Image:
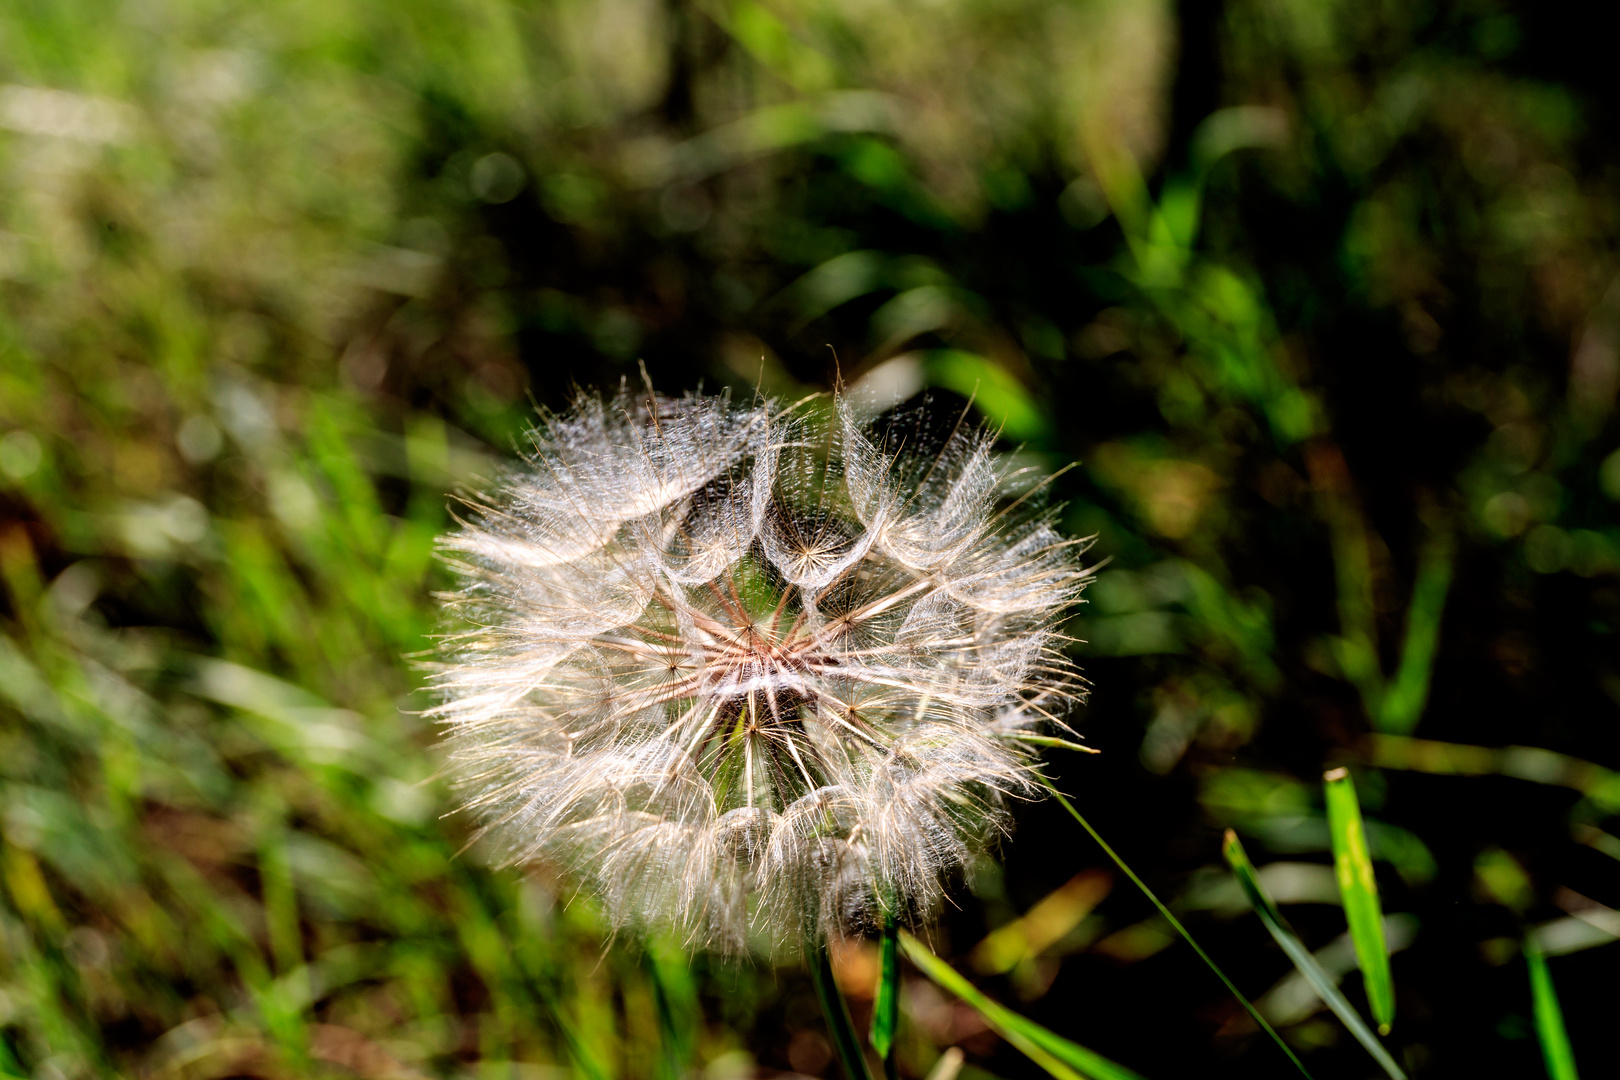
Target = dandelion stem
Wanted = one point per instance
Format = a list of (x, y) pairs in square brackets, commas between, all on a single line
[(886, 1002), (841, 1027)]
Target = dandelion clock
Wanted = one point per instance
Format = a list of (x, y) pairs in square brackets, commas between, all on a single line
[(754, 674)]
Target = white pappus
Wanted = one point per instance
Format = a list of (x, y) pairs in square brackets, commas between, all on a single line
[(756, 674)]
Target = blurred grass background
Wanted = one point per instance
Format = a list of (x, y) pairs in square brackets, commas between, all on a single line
[(1323, 296)]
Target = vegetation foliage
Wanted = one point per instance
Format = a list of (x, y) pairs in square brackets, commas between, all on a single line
[(1321, 296)]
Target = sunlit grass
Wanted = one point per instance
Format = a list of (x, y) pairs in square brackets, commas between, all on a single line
[(1327, 337)]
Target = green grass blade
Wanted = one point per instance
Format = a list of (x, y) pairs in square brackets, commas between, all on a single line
[(1320, 980), (1555, 1048), (1352, 865), (9, 1068), (1176, 924), (839, 1025), (886, 1002), (1402, 704), (1060, 1057), (1052, 742), (675, 996)]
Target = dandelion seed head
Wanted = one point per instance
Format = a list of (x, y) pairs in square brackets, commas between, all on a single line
[(752, 673)]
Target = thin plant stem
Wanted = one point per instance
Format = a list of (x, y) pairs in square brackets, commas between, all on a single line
[(1174, 922), (839, 1025), (886, 1002)]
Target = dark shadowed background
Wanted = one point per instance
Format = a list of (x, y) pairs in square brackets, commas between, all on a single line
[(1322, 296)]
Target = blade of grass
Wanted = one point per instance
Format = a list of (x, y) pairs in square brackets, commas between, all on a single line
[(1402, 704), (842, 1028), (1176, 924), (1531, 763), (1555, 1048), (948, 1066), (9, 1068), (675, 995), (886, 1002), (1053, 743), (1060, 1057), (1320, 980), (1352, 865)]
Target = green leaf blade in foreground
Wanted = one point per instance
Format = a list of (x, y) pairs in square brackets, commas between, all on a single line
[(1175, 923), (1358, 888), (836, 1012), (1060, 1057), (675, 997), (1555, 1048), (886, 1002), (1320, 980)]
